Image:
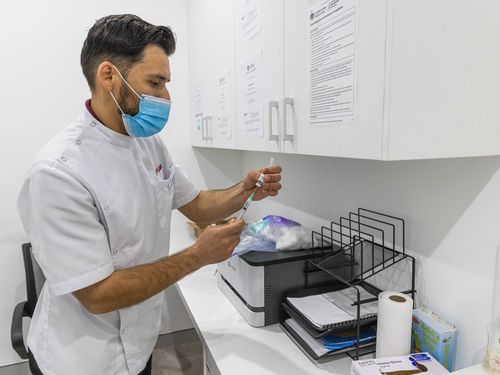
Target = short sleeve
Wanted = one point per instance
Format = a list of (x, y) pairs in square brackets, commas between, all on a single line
[(61, 220), (184, 190)]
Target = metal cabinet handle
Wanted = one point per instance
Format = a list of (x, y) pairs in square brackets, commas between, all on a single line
[(287, 136), (205, 130), (209, 127), (276, 105)]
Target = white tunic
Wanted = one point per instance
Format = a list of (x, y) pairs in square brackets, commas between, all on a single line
[(96, 201)]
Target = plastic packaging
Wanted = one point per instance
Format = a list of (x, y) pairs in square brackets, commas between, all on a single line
[(492, 360), (273, 233)]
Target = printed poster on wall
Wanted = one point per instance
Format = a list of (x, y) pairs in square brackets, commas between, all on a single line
[(332, 62)]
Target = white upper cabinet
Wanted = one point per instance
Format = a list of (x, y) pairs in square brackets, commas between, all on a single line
[(443, 79), (212, 73), (259, 74), (371, 79)]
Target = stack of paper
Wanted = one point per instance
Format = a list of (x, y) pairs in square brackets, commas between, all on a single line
[(334, 308), (315, 344)]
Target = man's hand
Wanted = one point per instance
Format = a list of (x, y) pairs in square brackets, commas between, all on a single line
[(212, 205), (271, 186), (217, 242)]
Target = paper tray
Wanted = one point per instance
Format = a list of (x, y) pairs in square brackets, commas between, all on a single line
[(364, 348), (307, 326), (298, 317)]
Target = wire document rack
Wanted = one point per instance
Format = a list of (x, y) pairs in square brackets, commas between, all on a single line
[(361, 254)]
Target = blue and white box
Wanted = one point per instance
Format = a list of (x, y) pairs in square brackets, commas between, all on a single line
[(406, 364), (432, 334)]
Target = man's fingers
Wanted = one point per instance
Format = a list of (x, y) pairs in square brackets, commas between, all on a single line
[(268, 171), (234, 226), (271, 187), (272, 169), (254, 175), (271, 193), (272, 178)]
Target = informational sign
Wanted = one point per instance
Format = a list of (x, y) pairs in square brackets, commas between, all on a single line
[(250, 18), (251, 97), (223, 125), (198, 105), (332, 62)]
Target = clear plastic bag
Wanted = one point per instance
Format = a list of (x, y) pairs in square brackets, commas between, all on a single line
[(273, 233)]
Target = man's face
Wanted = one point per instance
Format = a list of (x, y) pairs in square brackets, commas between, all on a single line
[(150, 77)]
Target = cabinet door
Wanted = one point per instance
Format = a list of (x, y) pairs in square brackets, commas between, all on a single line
[(335, 84), (198, 71), (264, 53), (445, 79), (211, 68)]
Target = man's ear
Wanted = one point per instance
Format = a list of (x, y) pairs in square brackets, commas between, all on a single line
[(106, 76)]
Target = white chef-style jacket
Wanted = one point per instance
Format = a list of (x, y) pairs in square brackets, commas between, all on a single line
[(96, 201)]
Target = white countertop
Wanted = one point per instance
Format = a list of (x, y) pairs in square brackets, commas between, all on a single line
[(238, 348), (474, 370)]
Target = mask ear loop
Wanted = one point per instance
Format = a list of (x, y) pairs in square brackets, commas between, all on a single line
[(118, 105), (124, 80)]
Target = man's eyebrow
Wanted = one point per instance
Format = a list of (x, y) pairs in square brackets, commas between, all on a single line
[(158, 76)]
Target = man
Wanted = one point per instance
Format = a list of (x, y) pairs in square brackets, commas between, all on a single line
[(96, 206)]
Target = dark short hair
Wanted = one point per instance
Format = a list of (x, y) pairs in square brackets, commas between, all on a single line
[(121, 39)]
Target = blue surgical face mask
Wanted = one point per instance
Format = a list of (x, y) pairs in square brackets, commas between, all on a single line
[(151, 118)]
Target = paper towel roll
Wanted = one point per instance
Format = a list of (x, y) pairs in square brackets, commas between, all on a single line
[(394, 324)]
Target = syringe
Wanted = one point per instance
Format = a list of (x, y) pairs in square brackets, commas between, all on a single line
[(258, 184)]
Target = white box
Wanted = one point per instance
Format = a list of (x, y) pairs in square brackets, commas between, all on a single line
[(411, 362)]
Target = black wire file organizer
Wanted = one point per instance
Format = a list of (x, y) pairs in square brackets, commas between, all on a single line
[(362, 254)]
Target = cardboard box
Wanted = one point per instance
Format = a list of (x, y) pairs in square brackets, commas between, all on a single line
[(418, 363), (199, 228), (432, 334)]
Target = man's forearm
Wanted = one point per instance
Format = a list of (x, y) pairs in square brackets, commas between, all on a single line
[(130, 286), (214, 205)]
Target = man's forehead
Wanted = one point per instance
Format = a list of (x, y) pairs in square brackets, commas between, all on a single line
[(155, 63)]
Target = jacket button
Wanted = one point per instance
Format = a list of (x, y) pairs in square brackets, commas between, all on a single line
[(64, 159), (115, 252), (106, 207), (92, 124), (78, 142)]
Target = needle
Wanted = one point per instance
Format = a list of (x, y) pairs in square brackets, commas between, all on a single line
[(258, 184)]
